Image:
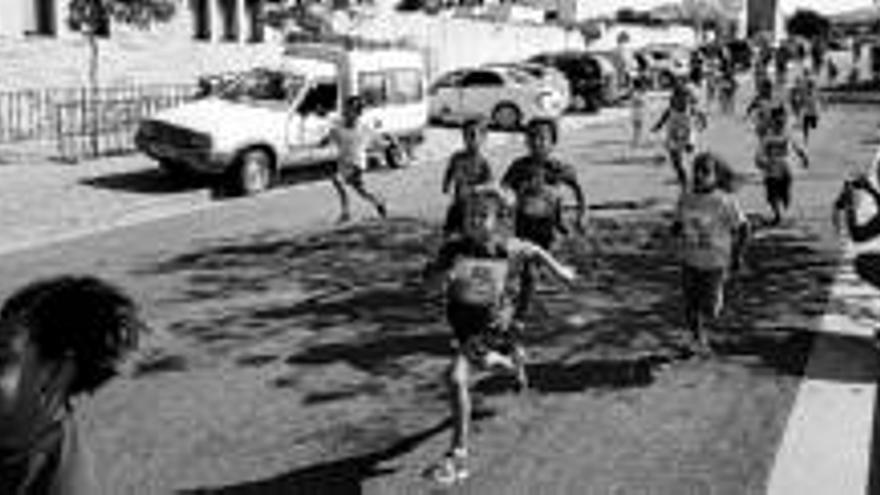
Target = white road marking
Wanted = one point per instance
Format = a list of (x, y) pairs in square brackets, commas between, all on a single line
[(826, 447)]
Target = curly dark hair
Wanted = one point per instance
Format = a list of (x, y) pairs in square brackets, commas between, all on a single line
[(539, 125), (82, 318)]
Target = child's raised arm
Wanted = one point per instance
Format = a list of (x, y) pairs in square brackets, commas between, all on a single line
[(661, 121), (531, 250)]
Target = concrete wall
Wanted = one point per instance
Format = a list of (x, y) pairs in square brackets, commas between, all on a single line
[(167, 53)]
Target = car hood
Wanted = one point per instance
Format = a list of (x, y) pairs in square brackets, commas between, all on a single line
[(209, 114)]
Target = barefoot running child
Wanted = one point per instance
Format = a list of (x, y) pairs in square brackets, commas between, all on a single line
[(637, 104), (480, 289), (467, 169), (712, 230), (772, 159), (810, 115), (61, 339), (679, 119), (535, 180), (353, 139), (759, 108)]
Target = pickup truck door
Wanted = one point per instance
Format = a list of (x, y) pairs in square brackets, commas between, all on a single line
[(316, 112)]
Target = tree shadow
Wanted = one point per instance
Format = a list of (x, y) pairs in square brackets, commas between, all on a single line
[(344, 476)]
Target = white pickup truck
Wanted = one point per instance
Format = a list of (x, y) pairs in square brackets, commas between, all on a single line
[(270, 118)]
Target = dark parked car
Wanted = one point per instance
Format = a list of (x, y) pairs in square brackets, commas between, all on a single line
[(584, 75)]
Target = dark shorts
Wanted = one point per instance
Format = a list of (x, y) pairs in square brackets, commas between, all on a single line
[(704, 289), (479, 331), (541, 231), (454, 218), (811, 121), (778, 189)]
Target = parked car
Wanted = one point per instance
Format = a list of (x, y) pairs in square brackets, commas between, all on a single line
[(665, 62), (272, 118), (616, 82), (584, 75), (549, 75), (508, 99)]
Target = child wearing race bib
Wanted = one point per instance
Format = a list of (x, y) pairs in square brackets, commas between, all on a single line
[(60, 340), (535, 180), (678, 118), (481, 268), (772, 159), (467, 169), (711, 229)]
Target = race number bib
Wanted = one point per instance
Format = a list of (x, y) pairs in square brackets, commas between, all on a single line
[(477, 281), (539, 205), (698, 232)]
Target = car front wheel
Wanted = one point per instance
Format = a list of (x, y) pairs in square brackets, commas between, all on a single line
[(507, 116), (253, 173)]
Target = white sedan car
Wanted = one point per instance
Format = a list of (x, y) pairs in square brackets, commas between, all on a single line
[(508, 98)]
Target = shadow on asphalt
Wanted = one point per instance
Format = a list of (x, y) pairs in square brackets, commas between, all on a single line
[(155, 181), (349, 300)]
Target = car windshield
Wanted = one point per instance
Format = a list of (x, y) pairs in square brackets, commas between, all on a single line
[(262, 85)]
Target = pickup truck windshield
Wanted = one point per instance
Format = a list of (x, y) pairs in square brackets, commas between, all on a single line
[(262, 85)]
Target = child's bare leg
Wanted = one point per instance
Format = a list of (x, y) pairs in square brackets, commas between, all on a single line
[(677, 159), (460, 400), (338, 183), (357, 183)]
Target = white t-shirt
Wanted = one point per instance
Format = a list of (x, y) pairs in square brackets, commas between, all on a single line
[(709, 224), (353, 144)]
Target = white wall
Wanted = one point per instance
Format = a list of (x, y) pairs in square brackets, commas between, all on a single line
[(644, 35)]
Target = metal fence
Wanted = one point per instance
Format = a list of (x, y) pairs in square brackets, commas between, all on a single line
[(83, 122)]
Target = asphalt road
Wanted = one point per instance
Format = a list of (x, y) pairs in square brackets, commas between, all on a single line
[(299, 358)]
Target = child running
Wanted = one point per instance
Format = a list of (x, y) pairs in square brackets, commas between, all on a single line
[(678, 118), (772, 159), (467, 169), (535, 180), (480, 271), (60, 339), (810, 115), (759, 108), (712, 231), (353, 140)]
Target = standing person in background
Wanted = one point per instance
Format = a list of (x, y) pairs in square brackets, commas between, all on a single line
[(467, 169), (353, 139), (727, 88), (61, 339), (637, 106)]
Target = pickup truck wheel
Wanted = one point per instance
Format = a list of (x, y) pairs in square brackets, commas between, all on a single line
[(507, 116), (253, 173)]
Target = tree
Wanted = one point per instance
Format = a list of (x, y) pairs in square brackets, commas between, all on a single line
[(808, 24), (91, 17)]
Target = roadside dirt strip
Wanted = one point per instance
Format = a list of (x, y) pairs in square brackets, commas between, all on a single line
[(827, 445)]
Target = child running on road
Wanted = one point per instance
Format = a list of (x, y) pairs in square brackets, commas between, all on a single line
[(60, 339), (712, 231), (772, 159), (480, 269), (467, 169), (759, 108), (679, 119), (810, 115), (535, 180), (353, 139)]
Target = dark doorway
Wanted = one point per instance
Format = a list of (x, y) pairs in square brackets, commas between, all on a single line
[(201, 18), (44, 17)]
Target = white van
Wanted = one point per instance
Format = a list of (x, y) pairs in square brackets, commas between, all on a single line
[(270, 118)]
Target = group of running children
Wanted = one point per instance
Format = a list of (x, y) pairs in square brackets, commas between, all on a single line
[(65, 337)]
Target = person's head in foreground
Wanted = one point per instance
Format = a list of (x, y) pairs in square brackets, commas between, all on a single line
[(474, 134), (541, 137), (486, 211), (80, 327), (711, 172)]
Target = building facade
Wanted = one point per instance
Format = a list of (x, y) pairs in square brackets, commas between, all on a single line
[(201, 20)]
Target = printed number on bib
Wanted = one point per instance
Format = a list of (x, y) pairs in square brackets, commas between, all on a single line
[(478, 282), (698, 232), (541, 205)]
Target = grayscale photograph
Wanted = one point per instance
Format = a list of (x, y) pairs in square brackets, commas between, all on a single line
[(381, 247)]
